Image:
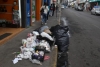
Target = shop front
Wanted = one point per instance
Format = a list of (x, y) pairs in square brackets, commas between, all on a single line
[(9, 13), (17, 13), (94, 3)]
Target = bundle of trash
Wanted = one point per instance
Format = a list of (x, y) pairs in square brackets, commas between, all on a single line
[(61, 34), (40, 41), (34, 47)]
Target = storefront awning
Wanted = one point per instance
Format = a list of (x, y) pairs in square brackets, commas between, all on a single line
[(93, 0)]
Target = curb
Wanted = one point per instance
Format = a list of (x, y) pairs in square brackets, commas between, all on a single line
[(54, 57)]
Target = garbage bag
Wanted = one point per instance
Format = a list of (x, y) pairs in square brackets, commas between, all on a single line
[(40, 48), (38, 55), (41, 29), (46, 39), (35, 33), (61, 35), (36, 61), (45, 44), (43, 34), (62, 60)]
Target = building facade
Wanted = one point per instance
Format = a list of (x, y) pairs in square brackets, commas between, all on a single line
[(94, 3)]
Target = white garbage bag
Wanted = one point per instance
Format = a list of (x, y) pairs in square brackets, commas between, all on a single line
[(45, 44), (31, 43), (35, 33), (27, 55), (24, 49), (24, 41), (43, 34)]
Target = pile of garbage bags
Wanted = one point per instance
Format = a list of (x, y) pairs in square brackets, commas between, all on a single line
[(34, 47), (40, 41), (61, 34)]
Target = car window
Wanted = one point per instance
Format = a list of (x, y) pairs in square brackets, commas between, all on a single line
[(98, 9)]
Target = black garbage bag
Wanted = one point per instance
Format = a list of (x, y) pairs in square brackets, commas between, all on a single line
[(62, 38), (44, 38), (62, 60)]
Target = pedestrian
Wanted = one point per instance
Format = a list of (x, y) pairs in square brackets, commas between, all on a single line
[(42, 13), (44, 10), (53, 9), (56, 9), (48, 11)]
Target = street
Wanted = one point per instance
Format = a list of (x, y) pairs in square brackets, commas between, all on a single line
[(84, 47)]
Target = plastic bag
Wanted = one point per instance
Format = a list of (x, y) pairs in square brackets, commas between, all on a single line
[(37, 57), (41, 29), (36, 61), (61, 35), (45, 44), (27, 55), (40, 48), (24, 49), (24, 41), (31, 43), (35, 33), (43, 34), (62, 60)]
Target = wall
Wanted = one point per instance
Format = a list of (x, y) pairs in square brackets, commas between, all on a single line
[(9, 5)]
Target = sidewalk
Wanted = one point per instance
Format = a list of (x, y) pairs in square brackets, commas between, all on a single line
[(13, 45)]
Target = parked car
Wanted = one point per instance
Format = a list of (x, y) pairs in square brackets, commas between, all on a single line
[(79, 8), (96, 10)]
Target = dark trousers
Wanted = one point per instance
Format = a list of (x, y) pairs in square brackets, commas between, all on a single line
[(53, 12), (47, 15)]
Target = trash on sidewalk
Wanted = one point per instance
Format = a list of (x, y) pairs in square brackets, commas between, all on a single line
[(46, 57), (35, 46), (62, 60), (16, 60), (61, 34)]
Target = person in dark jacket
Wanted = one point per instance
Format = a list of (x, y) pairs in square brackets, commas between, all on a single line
[(53, 9)]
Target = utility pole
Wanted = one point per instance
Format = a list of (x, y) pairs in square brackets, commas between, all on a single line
[(59, 12)]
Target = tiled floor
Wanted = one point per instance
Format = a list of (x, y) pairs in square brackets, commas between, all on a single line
[(14, 31)]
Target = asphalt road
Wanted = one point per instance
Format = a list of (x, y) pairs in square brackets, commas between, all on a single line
[(84, 47)]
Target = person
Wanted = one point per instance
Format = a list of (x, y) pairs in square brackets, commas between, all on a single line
[(44, 10), (53, 9), (48, 11), (42, 13), (56, 9)]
